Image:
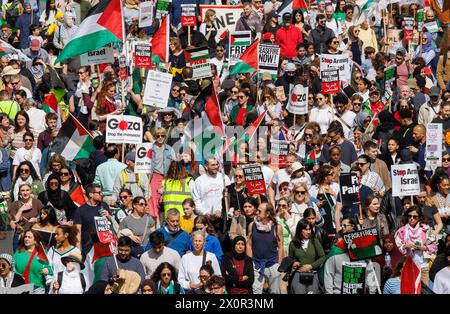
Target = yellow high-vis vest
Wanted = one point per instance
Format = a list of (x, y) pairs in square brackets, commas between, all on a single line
[(174, 194)]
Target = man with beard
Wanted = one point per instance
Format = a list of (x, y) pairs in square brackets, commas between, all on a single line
[(335, 161), (444, 116), (430, 110), (343, 115), (377, 165), (124, 261), (288, 78), (336, 135)]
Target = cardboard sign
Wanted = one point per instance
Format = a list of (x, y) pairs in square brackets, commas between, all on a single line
[(278, 152), (330, 81), (226, 18), (340, 62), (144, 154), (405, 180), (239, 41), (298, 100), (104, 230), (433, 150), (157, 89), (123, 69), (146, 14), (409, 23), (389, 75), (349, 187), (124, 129), (188, 17), (363, 244), (353, 278), (162, 8), (254, 179), (432, 27), (99, 56), (142, 55), (269, 57), (198, 59)]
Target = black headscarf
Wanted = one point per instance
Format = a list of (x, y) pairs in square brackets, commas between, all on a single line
[(233, 253), (98, 287), (54, 196)]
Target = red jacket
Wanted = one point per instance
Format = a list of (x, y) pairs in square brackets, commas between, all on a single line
[(288, 39)]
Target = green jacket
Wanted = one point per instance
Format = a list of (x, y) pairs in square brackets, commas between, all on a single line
[(314, 254), (35, 275)]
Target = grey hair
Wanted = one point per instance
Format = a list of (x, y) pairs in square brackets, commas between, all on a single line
[(30, 102), (173, 212), (198, 232)]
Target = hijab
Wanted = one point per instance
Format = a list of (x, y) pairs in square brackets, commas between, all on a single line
[(428, 46), (360, 117), (234, 254), (395, 254), (54, 196)]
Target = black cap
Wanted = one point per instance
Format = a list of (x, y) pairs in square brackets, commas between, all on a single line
[(287, 16), (272, 14)]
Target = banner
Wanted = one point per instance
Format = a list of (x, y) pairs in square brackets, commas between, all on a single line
[(226, 18), (433, 150), (330, 81), (405, 180), (100, 56), (162, 8), (340, 62), (142, 55), (104, 230), (363, 244), (123, 69), (188, 17), (353, 278), (198, 60), (144, 153), (349, 186), (157, 89), (145, 14), (254, 179), (269, 57), (239, 41), (278, 152), (124, 129), (298, 101)]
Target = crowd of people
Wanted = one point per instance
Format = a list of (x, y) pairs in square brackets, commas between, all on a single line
[(190, 226)]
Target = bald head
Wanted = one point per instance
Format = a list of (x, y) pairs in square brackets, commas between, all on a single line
[(419, 133)]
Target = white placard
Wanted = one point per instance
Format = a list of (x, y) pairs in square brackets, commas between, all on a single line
[(143, 163), (157, 89), (239, 40), (99, 56), (269, 57), (298, 100), (432, 27), (433, 151), (226, 18), (145, 14), (405, 180), (124, 129), (340, 62)]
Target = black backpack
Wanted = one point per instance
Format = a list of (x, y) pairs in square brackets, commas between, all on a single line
[(82, 279)]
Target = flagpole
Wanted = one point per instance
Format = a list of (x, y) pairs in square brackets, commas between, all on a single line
[(43, 249)]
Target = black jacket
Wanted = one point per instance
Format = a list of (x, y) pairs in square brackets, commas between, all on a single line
[(319, 38), (321, 235), (229, 273), (391, 207)]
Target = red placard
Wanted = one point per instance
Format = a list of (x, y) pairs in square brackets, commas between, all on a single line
[(330, 81), (188, 21), (104, 231), (142, 56), (331, 87), (409, 34), (254, 180)]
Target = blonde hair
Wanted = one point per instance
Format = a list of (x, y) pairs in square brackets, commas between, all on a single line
[(209, 13)]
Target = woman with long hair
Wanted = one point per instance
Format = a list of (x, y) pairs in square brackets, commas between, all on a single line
[(66, 243), (193, 168), (106, 105), (283, 206), (15, 135), (354, 44), (230, 103), (176, 58), (309, 256), (26, 174), (190, 213), (299, 21), (29, 152), (46, 226), (212, 244), (323, 113), (391, 256), (29, 264), (372, 217), (209, 30), (69, 184), (176, 187), (270, 104), (166, 279), (5, 125), (86, 95), (301, 200), (317, 232), (54, 165), (440, 184)]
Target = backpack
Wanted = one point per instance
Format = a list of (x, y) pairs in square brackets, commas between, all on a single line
[(82, 279)]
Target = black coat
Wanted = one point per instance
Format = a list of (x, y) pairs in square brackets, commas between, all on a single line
[(229, 273)]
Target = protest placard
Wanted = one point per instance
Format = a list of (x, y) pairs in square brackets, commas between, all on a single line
[(124, 129), (405, 180), (353, 277), (330, 81), (340, 62), (349, 189), (188, 15), (408, 28), (269, 57), (432, 27), (254, 179), (226, 18), (22, 289), (142, 55), (198, 60), (433, 149), (104, 230), (298, 100), (162, 8), (146, 14), (420, 19), (239, 41), (123, 69), (157, 89), (144, 154), (279, 149), (363, 244), (99, 56)]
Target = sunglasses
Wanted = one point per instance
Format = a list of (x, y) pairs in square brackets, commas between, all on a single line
[(175, 90), (141, 204), (335, 42), (64, 174), (300, 192), (167, 114), (282, 205), (54, 183), (124, 197), (183, 94), (360, 164), (357, 77), (241, 97), (160, 136), (220, 50), (445, 159), (356, 104), (238, 176), (234, 92), (14, 83), (413, 216), (320, 98), (166, 275), (24, 170), (308, 135), (28, 140)]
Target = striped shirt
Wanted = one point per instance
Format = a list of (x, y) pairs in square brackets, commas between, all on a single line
[(392, 286)]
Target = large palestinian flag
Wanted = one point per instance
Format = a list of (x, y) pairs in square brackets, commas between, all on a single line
[(103, 25), (160, 42), (73, 140), (249, 61), (7, 49)]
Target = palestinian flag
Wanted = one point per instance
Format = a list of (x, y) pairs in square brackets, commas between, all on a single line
[(50, 103), (410, 278), (291, 5), (95, 261), (160, 42), (364, 247), (103, 25), (336, 249), (41, 255), (370, 10), (238, 39), (196, 55), (77, 195), (311, 158), (249, 61), (7, 49), (73, 140)]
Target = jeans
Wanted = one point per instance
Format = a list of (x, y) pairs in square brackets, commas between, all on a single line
[(272, 275)]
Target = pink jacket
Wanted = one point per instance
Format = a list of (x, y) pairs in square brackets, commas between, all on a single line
[(400, 240)]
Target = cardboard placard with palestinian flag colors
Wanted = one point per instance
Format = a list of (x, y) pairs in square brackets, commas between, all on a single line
[(142, 55), (389, 76), (405, 180), (123, 68), (254, 179), (238, 43), (353, 277), (157, 89), (146, 14), (298, 100), (363, 244), (188, 17), (349, 188), (269, 57), (162, 8), (198, 60), (104, 230), (279, 150), (330, 81), (144, 154), (123, 129), (226, 18)]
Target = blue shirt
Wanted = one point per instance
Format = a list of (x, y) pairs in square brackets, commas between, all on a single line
[(212, 245), (181, 243), (392, 286), (106, 173)]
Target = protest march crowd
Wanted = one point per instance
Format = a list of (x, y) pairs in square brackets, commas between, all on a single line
[(225, 147)]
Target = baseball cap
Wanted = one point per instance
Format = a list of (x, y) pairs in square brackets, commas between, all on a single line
[(374, 91), (35, 45), (287, 16), (412, 83), (434, 91), (272, 14), (266, 76), (130, 156), (401, 50), (290, 67)]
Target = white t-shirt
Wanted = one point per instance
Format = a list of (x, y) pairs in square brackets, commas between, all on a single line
[(190, 268), (208, 193), (442, 281), (37, 119), (34, 156)]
